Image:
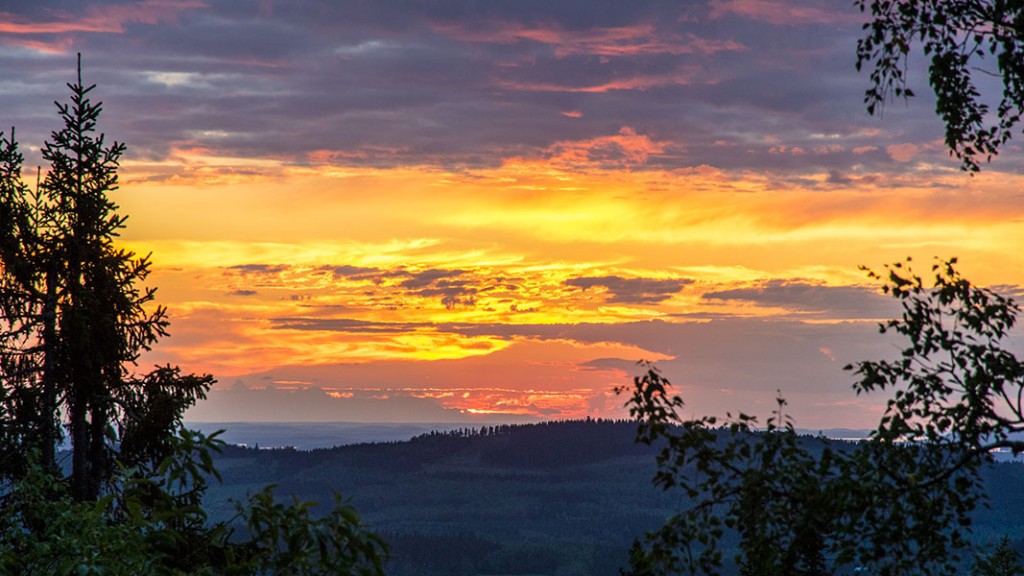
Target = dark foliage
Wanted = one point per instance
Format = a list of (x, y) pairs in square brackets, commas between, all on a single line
[(1002, 561), (962, 40), (901, 502)]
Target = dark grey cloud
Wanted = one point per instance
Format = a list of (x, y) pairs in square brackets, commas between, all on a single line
[(453, 287), (631, 290), (243, 293), (349, 271), (260, 268), (375, 275), (835, 177), (430, 277), (628, 366), (832, 301), (346, 325), (445, 284), (462, 83)]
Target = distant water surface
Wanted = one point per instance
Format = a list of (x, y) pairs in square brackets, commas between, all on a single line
[(310, 435)]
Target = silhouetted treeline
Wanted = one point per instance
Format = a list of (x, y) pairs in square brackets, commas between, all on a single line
[(557, 443), (507, 429)]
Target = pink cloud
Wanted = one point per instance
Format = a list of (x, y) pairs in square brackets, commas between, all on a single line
[(9, 24), (103, 18), (59, 46), (783, 149), (902, 152), (778, 12), (614, 41), (330, 156), (626, 149)]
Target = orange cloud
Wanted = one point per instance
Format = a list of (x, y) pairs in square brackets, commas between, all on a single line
[(434, 269), (625, 149), (610, 41), (272, 256)]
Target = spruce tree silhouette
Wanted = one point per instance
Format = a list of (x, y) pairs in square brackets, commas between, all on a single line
[(74, 319), (74, 316)]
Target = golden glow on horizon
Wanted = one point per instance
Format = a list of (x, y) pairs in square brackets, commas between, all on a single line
[(383, 265), (580, 195)]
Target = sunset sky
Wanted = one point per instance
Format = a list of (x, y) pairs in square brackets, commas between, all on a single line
[(422, 211)]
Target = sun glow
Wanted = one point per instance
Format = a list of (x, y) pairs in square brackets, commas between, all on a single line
[(326, 265)]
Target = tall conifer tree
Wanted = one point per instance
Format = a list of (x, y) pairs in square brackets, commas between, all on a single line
[(73, 322), (74, 316)]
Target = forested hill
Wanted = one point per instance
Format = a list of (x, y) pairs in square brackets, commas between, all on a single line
[(561, 497), (542, 445), (554, 498)]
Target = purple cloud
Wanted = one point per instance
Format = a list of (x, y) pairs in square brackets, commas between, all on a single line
[(833, 301), (457, 84), (631, 290)]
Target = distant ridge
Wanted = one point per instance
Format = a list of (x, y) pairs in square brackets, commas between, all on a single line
[(313, 435), (319, 435), (837, 433)]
